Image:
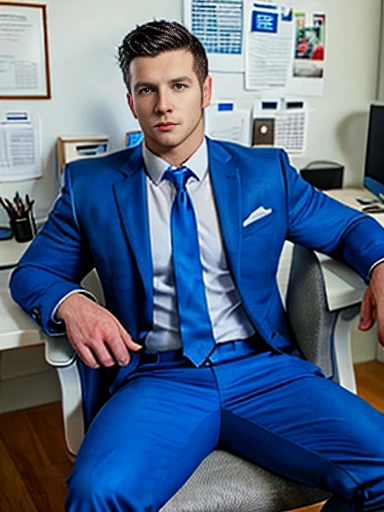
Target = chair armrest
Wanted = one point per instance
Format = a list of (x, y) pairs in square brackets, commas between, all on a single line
[(323, 298), (58, 351), (60, 354), (343, 286)]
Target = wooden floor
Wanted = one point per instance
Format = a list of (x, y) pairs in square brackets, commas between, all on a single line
[(34, 461)]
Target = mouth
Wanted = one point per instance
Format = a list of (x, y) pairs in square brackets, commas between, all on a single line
[(165, 127)]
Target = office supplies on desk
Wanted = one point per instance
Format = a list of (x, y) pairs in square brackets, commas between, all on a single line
[(365, 201), (374, 208), (21, 218), (5, 234)]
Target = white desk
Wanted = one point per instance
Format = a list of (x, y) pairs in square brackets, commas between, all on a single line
[(348, 196), (16, 328), (11, 251)]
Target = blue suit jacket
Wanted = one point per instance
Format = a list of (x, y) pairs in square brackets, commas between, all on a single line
[(101, 220)]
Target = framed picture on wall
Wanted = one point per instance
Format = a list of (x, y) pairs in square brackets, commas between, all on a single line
[(24, 59)]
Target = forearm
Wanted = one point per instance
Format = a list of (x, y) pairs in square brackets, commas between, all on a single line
[(53, 266), (38, 292), (318, 222), (362, 246)]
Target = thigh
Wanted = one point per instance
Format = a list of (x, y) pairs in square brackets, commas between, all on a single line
[(287, 416), (149, 437)]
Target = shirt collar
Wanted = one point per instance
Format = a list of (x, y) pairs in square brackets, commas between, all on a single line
[(156, 166)]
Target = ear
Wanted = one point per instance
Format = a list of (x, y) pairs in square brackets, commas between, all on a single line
[(207, 91), (131, 105)]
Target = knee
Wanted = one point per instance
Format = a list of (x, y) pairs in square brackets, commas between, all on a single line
[(90, 492)]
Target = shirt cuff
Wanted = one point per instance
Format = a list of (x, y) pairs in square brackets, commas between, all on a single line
[(374, 266), (58, 322)]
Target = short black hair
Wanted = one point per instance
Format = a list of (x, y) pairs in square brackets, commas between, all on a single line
[(154, 37)]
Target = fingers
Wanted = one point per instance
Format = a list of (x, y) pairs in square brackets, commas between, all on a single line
[(114, 349), (119, 351), (96, 334), (128, 341), (367, 314), (376, 296), (104, 356), (87, 357), (97, 352), (380, 324), (118, 345)]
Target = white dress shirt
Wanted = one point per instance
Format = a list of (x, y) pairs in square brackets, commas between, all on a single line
[(228, 317)]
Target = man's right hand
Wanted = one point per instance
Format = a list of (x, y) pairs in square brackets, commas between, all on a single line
[(95, 334)]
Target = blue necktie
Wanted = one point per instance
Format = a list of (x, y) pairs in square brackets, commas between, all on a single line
[(195, 324)]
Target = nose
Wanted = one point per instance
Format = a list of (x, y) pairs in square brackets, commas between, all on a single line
[(164, 103)]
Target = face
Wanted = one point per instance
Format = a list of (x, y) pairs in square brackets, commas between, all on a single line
[(167, 100)]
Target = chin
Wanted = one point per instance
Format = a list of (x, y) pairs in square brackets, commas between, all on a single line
[(169, 141)]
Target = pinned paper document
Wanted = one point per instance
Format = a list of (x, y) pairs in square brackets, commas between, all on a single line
[(218, 24), (224, 121), (280, 123), (20, 155), (269, 46)]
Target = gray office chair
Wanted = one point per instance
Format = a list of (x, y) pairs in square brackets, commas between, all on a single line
[(323, 297)]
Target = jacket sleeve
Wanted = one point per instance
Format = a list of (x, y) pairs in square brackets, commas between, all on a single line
[(321, 223), (54, 264)]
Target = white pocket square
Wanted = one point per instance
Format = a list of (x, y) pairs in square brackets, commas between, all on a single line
[(257, 214)]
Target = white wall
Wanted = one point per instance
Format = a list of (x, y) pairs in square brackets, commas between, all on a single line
[(88, 97)]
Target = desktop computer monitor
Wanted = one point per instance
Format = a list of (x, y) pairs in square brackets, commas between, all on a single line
[(374, 157)]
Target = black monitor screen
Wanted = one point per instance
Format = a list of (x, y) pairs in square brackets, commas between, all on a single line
[(374, 159)]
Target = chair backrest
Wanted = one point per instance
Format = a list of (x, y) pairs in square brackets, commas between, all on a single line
[(306, 304), (92, 283), (323, 297)]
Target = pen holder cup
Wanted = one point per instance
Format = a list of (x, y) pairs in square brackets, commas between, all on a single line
[(24, 228)]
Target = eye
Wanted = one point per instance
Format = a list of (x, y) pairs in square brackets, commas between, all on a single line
[(179, 87), (145, 90)]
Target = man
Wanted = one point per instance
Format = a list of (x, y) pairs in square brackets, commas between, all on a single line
[(186, 234)]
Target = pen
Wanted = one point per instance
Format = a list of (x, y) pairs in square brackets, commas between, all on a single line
[(18, 209), (7, 205), (18, 202)]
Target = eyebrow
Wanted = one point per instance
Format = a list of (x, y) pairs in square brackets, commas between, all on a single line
[(181, 79), (139, 85)]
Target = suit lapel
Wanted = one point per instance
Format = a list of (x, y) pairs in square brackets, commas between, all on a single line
[(227, 194), (131, 198)]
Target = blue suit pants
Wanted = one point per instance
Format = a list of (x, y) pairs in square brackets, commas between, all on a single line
[(276, 409)]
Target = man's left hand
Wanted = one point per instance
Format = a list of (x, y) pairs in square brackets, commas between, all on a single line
[(372, 306)]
